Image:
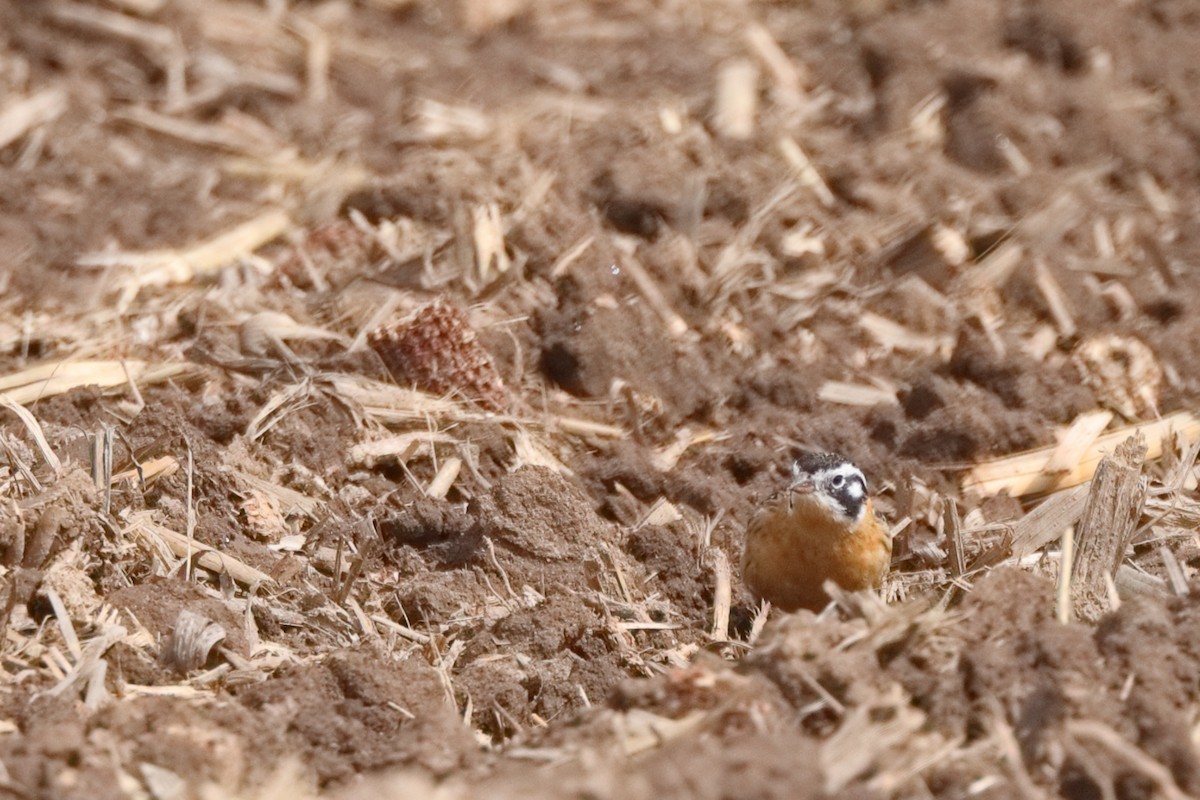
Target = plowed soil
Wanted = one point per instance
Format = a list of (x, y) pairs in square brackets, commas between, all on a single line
[(467, 520)]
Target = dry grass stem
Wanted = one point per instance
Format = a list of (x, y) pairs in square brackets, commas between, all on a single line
[(1075, 442), (1176, 578), (866, 736), (55, 378), (855, 394), (218, 136), (585, 427), (143, 8), (22, 116), (530, 451), (1056, 301), (206, 557), (789, 77), (89, 660), (807, 174), (1024, 474), (652, 293), (399, 447), (1110, 586), (666, 458), (264, 334), (956, 548), (661, 512), (1119, 747), (1164, 205), (318, 53), (896, 337), (995, 270), (1063, 607), (35, 430), (1013, 760), (110, 23), (722, 595), (64, 623), (563, 263), (202, 260), (290, 500)]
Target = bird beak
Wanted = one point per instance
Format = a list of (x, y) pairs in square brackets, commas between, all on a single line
[(799, 486), (803, 486)]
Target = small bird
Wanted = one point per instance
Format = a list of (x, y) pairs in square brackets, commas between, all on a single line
[(822, 527)]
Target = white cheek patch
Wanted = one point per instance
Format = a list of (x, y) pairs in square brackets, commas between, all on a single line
[(849, 495)]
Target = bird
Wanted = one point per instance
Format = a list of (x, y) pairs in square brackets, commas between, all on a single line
[(821, 527)]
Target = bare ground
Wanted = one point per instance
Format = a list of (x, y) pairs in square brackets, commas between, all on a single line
[(560, 308)]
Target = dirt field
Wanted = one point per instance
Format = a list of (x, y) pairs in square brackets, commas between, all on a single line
[(389, 384)]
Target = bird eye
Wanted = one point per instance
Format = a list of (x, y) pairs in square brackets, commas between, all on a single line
[(838, 481)]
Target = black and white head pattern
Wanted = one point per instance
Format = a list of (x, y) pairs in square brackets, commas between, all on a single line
[(838, 483)]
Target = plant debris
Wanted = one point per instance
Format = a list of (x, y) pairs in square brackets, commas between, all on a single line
[(436, 350)]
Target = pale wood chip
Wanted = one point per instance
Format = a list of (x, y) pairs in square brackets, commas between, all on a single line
[(736, 106), (21, 116), (855, 394), (1108, 525)]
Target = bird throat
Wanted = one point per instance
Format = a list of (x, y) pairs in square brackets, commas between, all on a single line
[(808, 509)]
